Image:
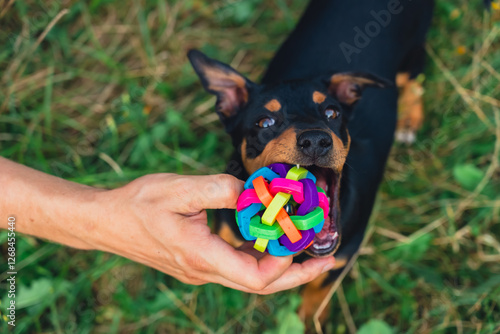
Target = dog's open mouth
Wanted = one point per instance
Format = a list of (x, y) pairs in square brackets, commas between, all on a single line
[(327, 241)]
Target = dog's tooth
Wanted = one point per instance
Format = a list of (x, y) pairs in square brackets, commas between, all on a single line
[(324, 246)]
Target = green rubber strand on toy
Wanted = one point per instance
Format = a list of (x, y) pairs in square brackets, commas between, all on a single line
[(296, 173), (262, 231), (261, 244), (278, 202), (308, 221), (321, 190)]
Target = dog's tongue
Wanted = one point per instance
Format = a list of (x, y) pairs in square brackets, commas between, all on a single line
[(321, 182), (323, 233)]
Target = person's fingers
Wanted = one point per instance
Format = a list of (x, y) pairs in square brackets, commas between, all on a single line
[(219, 191), (242, 268), (296, 275), (299, 274), (269, 274), (238, 270)]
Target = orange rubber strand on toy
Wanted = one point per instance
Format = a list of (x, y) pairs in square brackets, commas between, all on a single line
[(288, 227), (262, 191), (309, 244)]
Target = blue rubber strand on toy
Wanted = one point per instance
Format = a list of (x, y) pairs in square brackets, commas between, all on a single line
[(319, 226), (311, 177), (267, 173), (243, 220), (275, 248)]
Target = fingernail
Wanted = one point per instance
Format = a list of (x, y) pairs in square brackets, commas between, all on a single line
[(328, 267)]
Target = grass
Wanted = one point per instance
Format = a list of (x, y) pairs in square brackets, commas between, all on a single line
[(100, 92)]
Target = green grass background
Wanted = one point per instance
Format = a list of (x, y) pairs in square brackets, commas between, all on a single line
[(104, 94)]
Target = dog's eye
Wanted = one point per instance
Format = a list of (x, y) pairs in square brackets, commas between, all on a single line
[(266, 122), (331, 112)]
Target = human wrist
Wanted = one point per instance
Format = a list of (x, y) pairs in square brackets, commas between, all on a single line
[(77, 217), (112, 225), (65, 213)]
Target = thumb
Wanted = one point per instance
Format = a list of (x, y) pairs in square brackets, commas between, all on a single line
[(219, 191)]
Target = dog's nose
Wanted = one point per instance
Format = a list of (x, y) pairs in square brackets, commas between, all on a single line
[(314, 143)]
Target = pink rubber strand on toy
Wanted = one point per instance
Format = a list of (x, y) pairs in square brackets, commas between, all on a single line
[(295, 188), (247, 197), (323, 203)]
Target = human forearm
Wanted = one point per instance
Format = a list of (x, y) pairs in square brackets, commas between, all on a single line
[(46, 206)]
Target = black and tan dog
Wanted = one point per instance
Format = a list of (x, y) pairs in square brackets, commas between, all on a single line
[(308, 109)]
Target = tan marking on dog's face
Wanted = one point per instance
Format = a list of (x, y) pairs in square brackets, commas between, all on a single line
[(273, 105), (280, 149), (339, 152), (318, 97), (284, 149)]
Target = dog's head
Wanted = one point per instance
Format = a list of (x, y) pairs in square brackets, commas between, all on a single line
[(300, 122)]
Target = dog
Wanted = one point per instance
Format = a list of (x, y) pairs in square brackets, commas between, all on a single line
[(328, 101)]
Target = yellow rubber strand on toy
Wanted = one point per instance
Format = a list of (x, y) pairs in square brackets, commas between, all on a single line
[(296, 173), (278, 202), (261, 244)]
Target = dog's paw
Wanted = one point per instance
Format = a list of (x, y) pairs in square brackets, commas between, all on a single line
[(410, 111), (405, 136)]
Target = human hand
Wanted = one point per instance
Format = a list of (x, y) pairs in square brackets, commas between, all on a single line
[(160, 220)]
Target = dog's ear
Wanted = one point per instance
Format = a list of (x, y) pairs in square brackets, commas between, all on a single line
[(230, 87), (347, 87)]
